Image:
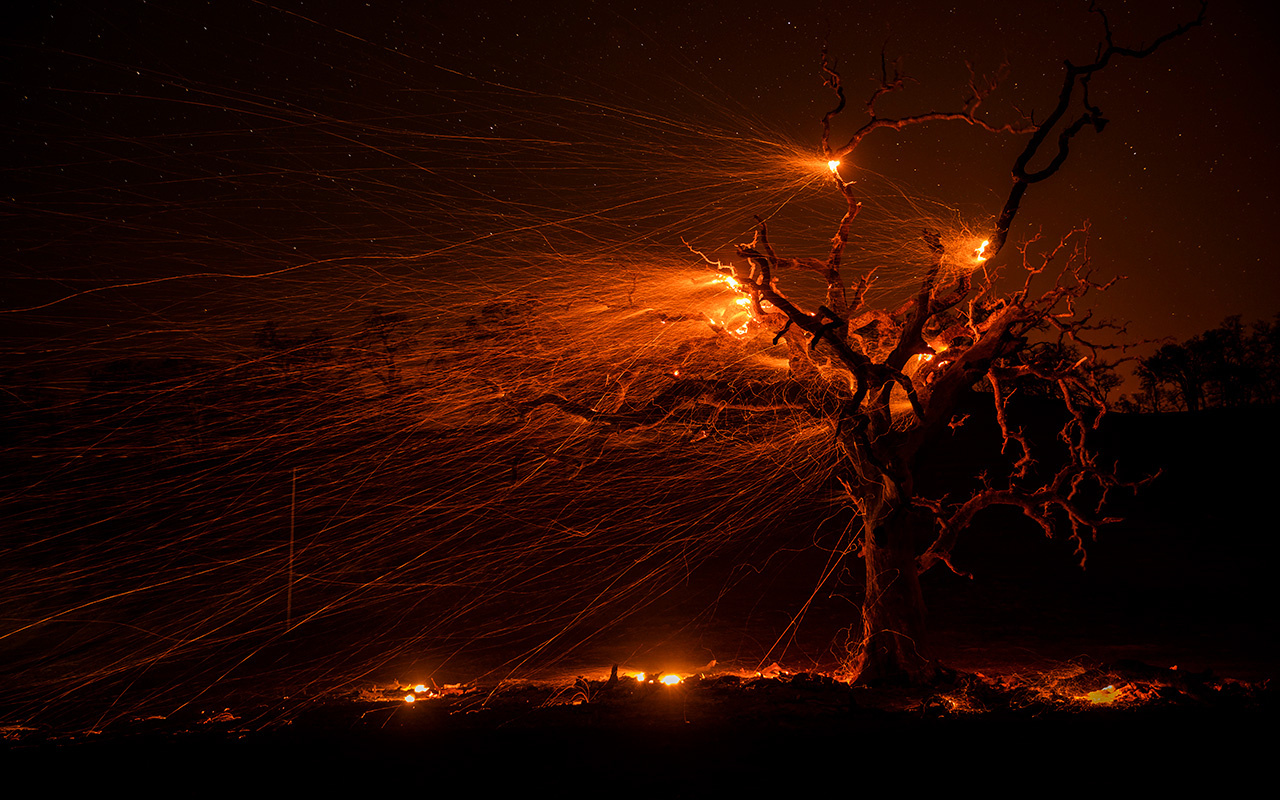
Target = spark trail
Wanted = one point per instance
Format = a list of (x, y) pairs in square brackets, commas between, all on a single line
[(460, 311)]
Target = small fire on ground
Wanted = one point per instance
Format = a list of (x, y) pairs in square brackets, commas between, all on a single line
[(1071, 688)]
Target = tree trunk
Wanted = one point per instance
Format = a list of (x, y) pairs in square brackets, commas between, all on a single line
[(893, 629)]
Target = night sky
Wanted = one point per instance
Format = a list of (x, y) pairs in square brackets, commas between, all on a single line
[(159, 139)]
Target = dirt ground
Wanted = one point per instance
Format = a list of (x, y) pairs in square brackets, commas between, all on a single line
[(1154, 728)]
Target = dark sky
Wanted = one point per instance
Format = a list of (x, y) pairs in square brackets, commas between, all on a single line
[(147, 140)]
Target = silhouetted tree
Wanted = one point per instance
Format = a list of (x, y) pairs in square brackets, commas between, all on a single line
[(1176, 366), (890, 380), (1221, 368), (1265, 353), (903, 372)]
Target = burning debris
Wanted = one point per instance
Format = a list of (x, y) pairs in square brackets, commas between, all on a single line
[(1070, 689), (1078, 688)]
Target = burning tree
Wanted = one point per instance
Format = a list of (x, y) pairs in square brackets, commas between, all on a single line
[(890, 380)]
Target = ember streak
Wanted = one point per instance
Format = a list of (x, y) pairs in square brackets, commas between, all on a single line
[(339, 345)]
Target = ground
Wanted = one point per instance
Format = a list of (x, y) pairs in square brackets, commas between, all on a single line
[(721, 733)]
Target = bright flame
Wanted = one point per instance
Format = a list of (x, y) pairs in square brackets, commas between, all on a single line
[(408, 698), (1103, 696), (728, 280), (725, 317), (833, 165), (670, 680), (980, 249), (420, 688)]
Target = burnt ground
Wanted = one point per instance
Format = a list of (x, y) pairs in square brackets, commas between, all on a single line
[(726, 734), (1174, 612)]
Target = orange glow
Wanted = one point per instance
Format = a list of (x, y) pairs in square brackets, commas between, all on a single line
[(1124, 693), (980, 249), (731, 315), (833, 165), (408, 698), (1103, 696), (420, 688), (670, 680)]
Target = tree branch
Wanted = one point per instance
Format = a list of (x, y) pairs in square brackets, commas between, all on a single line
[(1073, 77)]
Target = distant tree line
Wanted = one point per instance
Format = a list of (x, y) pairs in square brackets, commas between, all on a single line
[(1229, 366)]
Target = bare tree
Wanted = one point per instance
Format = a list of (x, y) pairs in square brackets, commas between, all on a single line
[(890, 380), (903, 372)]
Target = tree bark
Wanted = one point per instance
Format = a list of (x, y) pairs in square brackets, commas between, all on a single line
[(893, 613)]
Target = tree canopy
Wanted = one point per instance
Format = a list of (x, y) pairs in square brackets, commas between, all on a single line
[(1228, 366)]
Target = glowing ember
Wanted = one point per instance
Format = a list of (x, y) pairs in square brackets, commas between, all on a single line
[(409, 698), (833, 165), (670, 680), (1124, 693), (1103, 696), (421, 688), (980, 249), (729, 281), (739, 314)]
